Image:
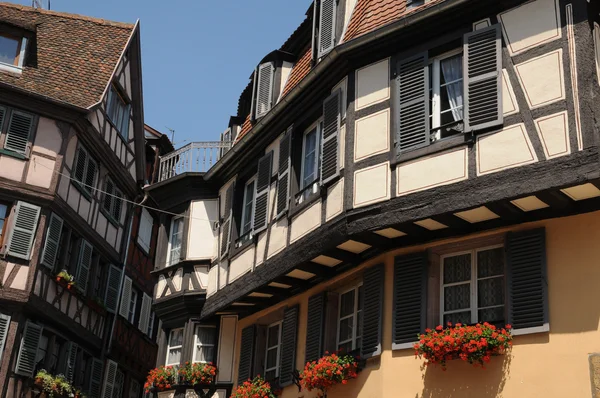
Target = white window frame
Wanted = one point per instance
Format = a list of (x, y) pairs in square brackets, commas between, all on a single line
[(19, 67), (279, 325), (473, 283), (144, 231), (597, 49), (201, 344), (173, 347), (354, 314), (243, 230), (150, 324), (318, 127), (131, 311), (434, 64), (170, 245)]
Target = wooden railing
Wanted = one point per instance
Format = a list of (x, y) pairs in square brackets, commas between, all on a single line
[(195, 157)]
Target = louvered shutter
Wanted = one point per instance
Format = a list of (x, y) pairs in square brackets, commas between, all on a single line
[(327, 21), (91, 172), (412, 85), (330, 165), (372, 311), (483, 78), (95, 382), (4, 326), (117, 205), (283, 172), (2, 114), (118, 386), (246, 354), (261, 202), (109, 189), (315, 326), (53, 234), (79, 166), (410, 299), (113, 283), (289, 335), (19, 132), (84, 265), (145, 313), (110, 377), (28, 350), (23, 227), (226, 227), (527, 279), (264, 92), (70, 358), (125, 297)]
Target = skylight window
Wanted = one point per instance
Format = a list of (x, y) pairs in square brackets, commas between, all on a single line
[(12, 52)]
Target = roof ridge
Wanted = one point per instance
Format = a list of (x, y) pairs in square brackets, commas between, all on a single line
[(99, 21)]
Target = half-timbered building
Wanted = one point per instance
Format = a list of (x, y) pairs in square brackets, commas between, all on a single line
[(396, 165)]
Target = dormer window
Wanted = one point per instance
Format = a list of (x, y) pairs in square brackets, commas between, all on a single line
[(12, 52), (264, 89), (118, 111), (269, 80), (326, 37), (414, 3)]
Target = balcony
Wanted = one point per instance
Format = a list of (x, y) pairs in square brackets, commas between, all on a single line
[(195, 157)]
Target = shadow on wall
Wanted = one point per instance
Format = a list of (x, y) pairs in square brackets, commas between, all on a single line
[(462, 380)]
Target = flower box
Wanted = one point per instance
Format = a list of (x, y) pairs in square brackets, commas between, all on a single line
[(257, 387), (196, 376), (329, 371)]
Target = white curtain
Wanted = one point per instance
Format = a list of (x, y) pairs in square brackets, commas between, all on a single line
[(452, 70)]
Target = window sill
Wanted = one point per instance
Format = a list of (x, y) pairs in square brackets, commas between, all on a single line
[(433, 148), (240, 246), (12, 154), (110, 218), (310, 199), (82, 190), (17, 70)]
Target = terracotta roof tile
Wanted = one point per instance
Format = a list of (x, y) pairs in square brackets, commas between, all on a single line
[(246, 127), (75, 55), (298, 73)]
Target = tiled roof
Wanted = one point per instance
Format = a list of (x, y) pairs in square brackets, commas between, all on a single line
[(298, 73), (75, 55), (246, 126)]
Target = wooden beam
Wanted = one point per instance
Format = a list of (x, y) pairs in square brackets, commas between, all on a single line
[(317, 269)]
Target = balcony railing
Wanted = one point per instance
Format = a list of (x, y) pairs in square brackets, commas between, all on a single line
[(195, 157)]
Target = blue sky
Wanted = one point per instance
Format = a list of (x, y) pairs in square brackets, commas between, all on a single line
[(197, 54)]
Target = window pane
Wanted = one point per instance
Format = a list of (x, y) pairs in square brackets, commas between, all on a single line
[(492, 315), (8, 50), (457, 268), (346, 329), (270, 375), (273, 336), (204, 354), (174, 356), (248, 207), (272, 358), (490, 262), (345, 347), (490, 292), (457, 297), (458, 317), (205, 335), (347, 304), (310, 153), (359, 323), (3, 209), (176, 338)]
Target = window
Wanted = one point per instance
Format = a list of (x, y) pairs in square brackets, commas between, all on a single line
[(150, 325), (12, 51), (174, 347), (414, 3), (310, 156), (18, 131), (248, 209), (350, 320), (85, 170), (119, 384), (118, 111), (472, 286), (4, 212), (264, 89), (273, 351), (326, 36), (113, 201), (446, 95), (205, 337), (132, 305), (175, 241), (145, 230)]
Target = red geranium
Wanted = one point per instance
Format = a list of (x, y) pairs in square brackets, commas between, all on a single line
[(161, 378), (474, 344), (328, 371), (256, 388), (165, 377)]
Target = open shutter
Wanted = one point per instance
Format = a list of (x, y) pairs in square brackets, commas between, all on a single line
[(90, 175), (261, 202), (118, 385), (264, 92), (327, 26), (330, 165), (84, 265), (372, 311), (527, 281), (28, 350), (145, 313), (483, 78), (410, 299), (70, 358), (4, 326), (24, 225), (315, 327), (95, 382), (125, 297), (2, 114), (283, 172), (79, 166), (19, 132), (112, 289), (246, 354), (110, 377), (289, 335), (226, 227), (52, 243), (412, 85)]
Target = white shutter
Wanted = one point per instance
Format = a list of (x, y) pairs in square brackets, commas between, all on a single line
[(226, 226), (327, 26), (330, 165), (53, 234), (110, 377), (283, 176), (118, 386), (84, 265), (145, 313), (145, 230), (113, 285), (261, 201), (19, 132), (125, 297), (28, 350), (71, 357), (4, 326), (95, 383), (22, 233), (264, 91)]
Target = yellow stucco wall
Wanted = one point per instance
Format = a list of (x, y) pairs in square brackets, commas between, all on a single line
[(551, 364)]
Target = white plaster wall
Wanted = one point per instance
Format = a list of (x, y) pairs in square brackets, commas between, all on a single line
[(40, 171), (101, 223), (111, 235), (274, 146), (553, 131), (242, 264), (372, 135), (201, 272), (48, 138), (278, 237), (504, 149), (343, 86), (335, 200), (305, 222), (261, 246), (178, 279), (70, 152), (20, 281), (223, 271), (212, 281), (11, 168), (542, 79), (226, 350), (510, 105), (372, 84), (286, 68), (202, 237), (372, 185), (160, 286)]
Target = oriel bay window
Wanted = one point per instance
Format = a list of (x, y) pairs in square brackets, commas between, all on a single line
[(175, 241), (205, 337), (310, 168), (174, 347)]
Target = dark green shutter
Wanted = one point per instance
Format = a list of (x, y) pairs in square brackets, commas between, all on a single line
[(283, 178), (483, 78), (117, 205), (372, 311), (412, 85), (95, 381), (79, 165), (330, 167), (113, 285), (261, 202), (69, 360), (53, 235), (109, 189), (246, 354), (289, 335), (20, 129), (264, 92), (315, 326), (226, 227), (527, 281), (84, 265), (28, 350), (91, 172), (327, 22), (410, 299), (4, 326), (23, 227)]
